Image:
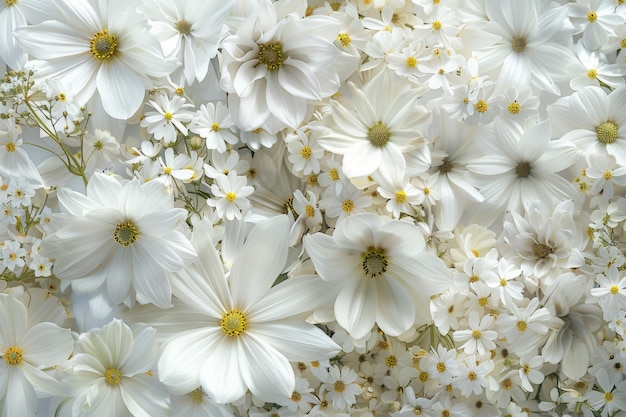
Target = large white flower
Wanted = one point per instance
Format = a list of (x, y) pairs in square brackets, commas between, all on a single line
[(380, 269), (241, 333), (276, 63), (123, 236), (97, 45)]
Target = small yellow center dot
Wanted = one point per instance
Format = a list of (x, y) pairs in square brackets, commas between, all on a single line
[(306, 152), (411, 62), (10, 3), (436, 25), (622, 43), (216, 127), (309, 211), (379, 135), (541, 250), (311, 180), (400, 196), (113, 376), (503, 282), (295, 397), (518, 43), (339, 386), (481, 106), (179, 91), (233, 323), (125, 233), (345, 39), (347, 206), (522, 169), (472, 376), (230, 196), (333, 174), (614, 289), (522, 326), (441, 367), (477, 334), (473, 279), (61, 97), (424, 376), (197, 396), (103, 45), (592, 16), (10, 147), (608, 175), (514, 107), (391, 361), (507, 384), (13, 356), (593, 74), (375, 262), (167, 170), (168, 116), (608, 397), (271, 55), (183, 27), (607, 132), (483, 301)]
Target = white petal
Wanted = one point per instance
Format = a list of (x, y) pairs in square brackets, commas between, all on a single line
[(47, 344), (298, 341), (20, 399), (121, 90), (395, 312), (220, 375), (15, 318), (353, 307), (145, 396)]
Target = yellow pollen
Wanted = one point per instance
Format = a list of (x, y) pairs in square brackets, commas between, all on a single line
[(10, 147), (271, 55), (103, 45), (339, 386), (125, 233), (614, 289), (441, 367), (375, 262), (436, 25), (335, 6), (230, 196), (180, 91), (503, 282), (379, 135), (608, 175), (312, 180), (518, 43), (473, 278), (295, 397), (541, 250), (514, 107), (10, 3), (309, 211), (400, 196), (309, 11), (233, 323), (13, 355), (391, 361), (522, 326), (607, 132), (526, 369), (113, 376), (216, 127), (477, 334), (411, 62), (441, 71), (436, 1), (481, 106), (608, 397), (183, 27), (592, 16), (423, 376), (306, 152), (622, 43), (445, 413), (507, 384), (315, 364), (168, 116), (167, 170), (593, 74), (472, 376), (345, 39), (61, 97), (333, 174), (197, 396), (483, 301), (426, 190), (347, 206)]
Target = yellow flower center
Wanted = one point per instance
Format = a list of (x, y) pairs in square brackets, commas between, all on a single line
[(411, 62), (167, 170), (271, 55), (339, 386), (113, 376), (436, 25), (295, 397), (391, 361), (608, 397), (607, 132), (306, 152), (441, 367), (522, 326), (309, 211), (233, 323), (333, 174), (13, 356), (483, 301), (608, 175), (347, 206), (471, 375), (197, 396), (514, 107), (481, 106), (168, 116), (10, 3), (10, 147), (622, 43), (183, 27), (400, 196), (379, 135), (125, 234), (375, 262), (477, 334), (592, 16), (312, 180), (593, 74), (541, 250), (518, 43), (345, 39), (614, 289), (230, 196), (103, 45), (522, 169), (216, 127), (61, 97)]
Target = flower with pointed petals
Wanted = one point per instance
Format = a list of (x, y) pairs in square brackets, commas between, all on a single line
[(240, 333), (123, 236), (380, 269)]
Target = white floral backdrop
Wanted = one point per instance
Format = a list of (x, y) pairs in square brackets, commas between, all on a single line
[(287, 208)]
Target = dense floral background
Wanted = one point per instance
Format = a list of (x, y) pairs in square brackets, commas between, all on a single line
[(286, 208)]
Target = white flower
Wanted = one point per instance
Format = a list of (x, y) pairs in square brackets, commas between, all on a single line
[(596, 19), (26, 348), (229, 195), (110, 373), (103, 46), (379, 269), (612, 290), (214, 123), (479, 338), (240, 333), (341, 388), (168, 119), (123, 236)]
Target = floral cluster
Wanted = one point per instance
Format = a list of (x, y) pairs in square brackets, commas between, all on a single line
[(301, 207)]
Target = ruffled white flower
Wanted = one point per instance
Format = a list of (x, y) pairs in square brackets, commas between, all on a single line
[(122, 236)]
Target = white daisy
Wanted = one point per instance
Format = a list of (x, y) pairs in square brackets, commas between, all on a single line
[(123, 236), (229, 195), (168, 119)]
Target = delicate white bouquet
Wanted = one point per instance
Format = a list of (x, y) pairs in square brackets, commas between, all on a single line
[(287, 208)]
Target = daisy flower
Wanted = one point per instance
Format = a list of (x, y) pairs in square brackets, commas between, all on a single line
[(101, 46), (168, 119), (341, 387), (214, 123), (229, 195), (478, 338), (596, 19), (380, 270), (121, 236)]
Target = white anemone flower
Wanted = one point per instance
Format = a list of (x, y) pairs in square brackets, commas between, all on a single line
[(123, 236), (380, 269), (240, 333), (97, 45)]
